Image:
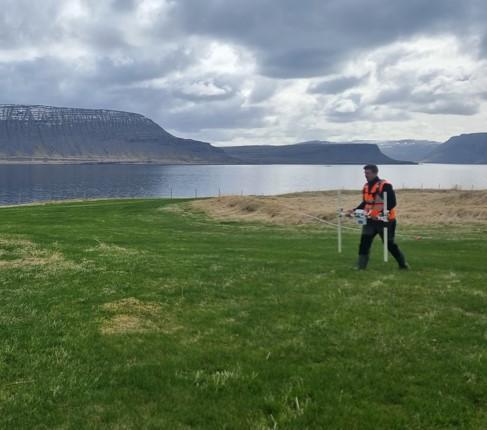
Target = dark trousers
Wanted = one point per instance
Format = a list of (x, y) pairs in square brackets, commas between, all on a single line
[(373, 228)]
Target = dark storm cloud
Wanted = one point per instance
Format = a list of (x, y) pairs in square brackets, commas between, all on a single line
[(301, 39)]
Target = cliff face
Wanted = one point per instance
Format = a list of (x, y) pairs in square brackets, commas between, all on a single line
[(315, 152), (50, 133), (464, 149)]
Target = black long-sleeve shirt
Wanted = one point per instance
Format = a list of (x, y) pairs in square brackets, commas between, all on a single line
[(391, 195)]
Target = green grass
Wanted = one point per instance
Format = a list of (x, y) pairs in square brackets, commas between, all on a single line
[(132, 314)]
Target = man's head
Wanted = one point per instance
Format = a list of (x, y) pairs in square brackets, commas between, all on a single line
[(371, 171)]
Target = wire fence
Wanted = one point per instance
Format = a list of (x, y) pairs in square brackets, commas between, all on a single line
[(30, 198), (36, 195)]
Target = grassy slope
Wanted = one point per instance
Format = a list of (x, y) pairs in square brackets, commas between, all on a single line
[(237, 326)]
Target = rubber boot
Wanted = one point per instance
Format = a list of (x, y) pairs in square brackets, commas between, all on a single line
[(363, 260), (401, 260), (398, 255)]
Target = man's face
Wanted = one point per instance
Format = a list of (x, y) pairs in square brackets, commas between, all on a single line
[(370, 175)]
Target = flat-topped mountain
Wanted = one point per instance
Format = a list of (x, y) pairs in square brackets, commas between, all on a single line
[(464, 149), (313, 152), (407, 149), (34, 133), (45, 133)]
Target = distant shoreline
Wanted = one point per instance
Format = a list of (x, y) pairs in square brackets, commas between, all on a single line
[(173, 163)]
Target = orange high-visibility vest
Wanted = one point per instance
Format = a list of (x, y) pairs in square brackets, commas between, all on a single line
[(374, 204)]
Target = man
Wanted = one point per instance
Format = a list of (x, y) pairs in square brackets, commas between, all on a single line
[(373, 205)]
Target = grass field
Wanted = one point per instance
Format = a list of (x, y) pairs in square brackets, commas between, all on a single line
[(143, 314)]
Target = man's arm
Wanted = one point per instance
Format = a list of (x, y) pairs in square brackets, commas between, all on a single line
[(391, 196), (360, 206)]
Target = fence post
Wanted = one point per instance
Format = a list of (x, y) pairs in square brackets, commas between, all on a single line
[(339, 223)]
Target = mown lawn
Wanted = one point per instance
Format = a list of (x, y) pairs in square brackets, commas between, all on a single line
[(137, 314)]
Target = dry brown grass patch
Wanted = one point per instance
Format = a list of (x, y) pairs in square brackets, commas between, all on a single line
[(415, 207), (18, 252), (131, 315), (109, 248), (132, 305), (119, 324), (175, 208)]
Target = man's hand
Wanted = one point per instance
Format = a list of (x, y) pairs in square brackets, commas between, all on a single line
[(350, 212)]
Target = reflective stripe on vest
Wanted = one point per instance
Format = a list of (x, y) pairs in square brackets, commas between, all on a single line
[(374, 204)]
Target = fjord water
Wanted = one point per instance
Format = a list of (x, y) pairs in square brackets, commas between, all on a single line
[(29, 183)]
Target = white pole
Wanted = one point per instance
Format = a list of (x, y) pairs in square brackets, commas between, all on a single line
[(386, 228), (339, 223)]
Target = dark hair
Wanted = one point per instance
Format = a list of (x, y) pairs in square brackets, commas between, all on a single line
[(372, 167)]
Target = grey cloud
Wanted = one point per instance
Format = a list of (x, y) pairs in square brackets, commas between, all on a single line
[(28, 23), (483, 46), (368, 114), (202, 97), (393, 95), (53, 82), (124, 5), (263, 89), (105, 82), (336, 85), (103, 37), (133, 69), (221, 115), (435, 99), (206, 88), (286, 38), (449, 106), (302, 62), (21, 81), (296, 39)]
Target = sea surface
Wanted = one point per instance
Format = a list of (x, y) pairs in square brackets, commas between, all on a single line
[(30, 183)]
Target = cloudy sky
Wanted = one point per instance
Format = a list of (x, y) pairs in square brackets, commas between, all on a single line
[(256, 71)]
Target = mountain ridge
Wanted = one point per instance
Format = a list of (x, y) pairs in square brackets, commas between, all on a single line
[(39, 132), (466, 148), (406, 149), (49, 134), (311, 152)]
